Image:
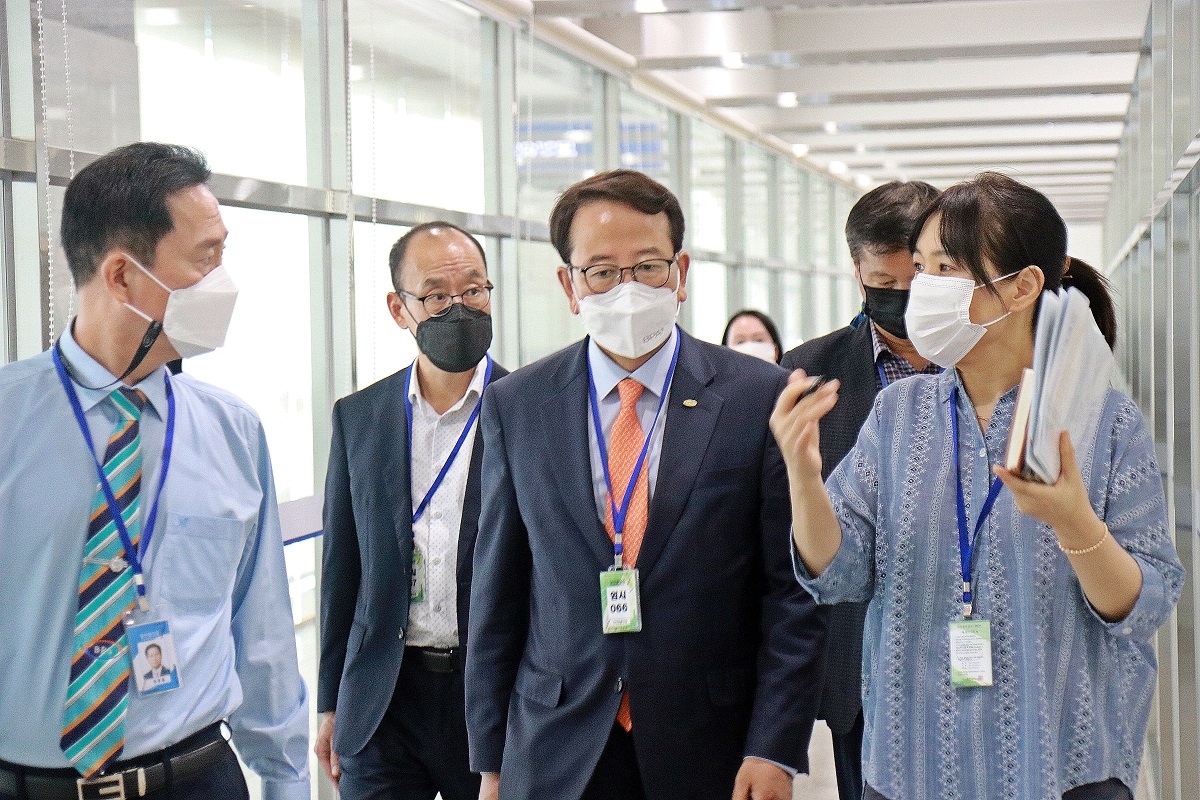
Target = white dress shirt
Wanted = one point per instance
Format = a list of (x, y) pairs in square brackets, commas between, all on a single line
[(433, 622)]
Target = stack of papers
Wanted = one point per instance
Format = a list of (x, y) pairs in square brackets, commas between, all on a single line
[(1064, 390)]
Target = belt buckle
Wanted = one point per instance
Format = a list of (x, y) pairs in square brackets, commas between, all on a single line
[(108, 787)]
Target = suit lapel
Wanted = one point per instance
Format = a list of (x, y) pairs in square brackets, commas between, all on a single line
[(468, 529), (686, 435), (394, 462), (565, 420)]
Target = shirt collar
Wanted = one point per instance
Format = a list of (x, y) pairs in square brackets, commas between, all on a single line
[(474, 388), (606, 373), (87, 371), (878, 343)]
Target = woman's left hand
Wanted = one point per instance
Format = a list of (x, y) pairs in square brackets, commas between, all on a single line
[(1063, 505)]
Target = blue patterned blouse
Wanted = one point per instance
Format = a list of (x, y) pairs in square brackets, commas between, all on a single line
[(1071, 694)]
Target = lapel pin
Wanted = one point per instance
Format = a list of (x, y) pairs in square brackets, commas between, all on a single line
[(689, 403)]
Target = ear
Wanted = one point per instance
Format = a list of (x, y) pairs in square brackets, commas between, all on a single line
[(858, 278), (399, 312), (113, 273), (1028, 284), (564, 280), (682, 262)]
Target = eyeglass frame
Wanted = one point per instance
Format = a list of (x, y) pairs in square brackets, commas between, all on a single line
[(671, 262), (488, 287)]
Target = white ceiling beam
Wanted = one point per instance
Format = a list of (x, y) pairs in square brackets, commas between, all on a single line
[(967, 136), (927, 77), (975, 155), (879, 115), (926, 26)]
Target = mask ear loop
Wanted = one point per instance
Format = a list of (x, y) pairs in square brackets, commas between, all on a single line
[(148, 340)]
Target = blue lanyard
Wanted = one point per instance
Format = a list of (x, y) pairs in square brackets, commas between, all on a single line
[(966, 542), (132, 554), (619, 512), (462, 437), (883, 381)]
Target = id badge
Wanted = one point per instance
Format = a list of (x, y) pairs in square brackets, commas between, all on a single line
[(970, 653), (417, 592), (620, 605), (155, 665)]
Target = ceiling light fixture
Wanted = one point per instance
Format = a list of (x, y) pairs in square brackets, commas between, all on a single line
[(830, 127), (787, 100), (732, 60), (838, 167), (800, 150), (649, 6)]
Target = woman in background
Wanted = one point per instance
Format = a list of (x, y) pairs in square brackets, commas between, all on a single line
[(752, 332)]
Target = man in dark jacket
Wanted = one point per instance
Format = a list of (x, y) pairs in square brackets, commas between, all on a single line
[(870, 353)]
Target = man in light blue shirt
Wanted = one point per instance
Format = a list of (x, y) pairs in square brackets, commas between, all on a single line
[(143, 237)]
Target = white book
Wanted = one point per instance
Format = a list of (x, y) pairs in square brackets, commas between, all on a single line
[(1072, 366)]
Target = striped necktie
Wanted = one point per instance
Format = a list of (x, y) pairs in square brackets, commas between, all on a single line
[(93, 733)]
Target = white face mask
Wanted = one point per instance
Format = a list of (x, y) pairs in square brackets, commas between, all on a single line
[(197, 316), (763, 350), (631, 319), (939, 317)]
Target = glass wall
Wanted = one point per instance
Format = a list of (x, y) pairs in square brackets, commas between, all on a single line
[(329, 136), (1152, 248), (708, 199)]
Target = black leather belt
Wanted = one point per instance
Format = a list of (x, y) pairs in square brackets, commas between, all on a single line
[(437, 659), (136, 777)]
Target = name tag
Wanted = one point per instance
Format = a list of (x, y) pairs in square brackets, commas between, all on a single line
[(155, 665), (970, 653), (417, 591), (619, 602)]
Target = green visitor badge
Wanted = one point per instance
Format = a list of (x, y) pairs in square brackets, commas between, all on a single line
[(619, 602), (417, 593), (970, 653)]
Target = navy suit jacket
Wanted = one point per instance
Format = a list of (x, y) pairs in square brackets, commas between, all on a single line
[(847, 354), (367, 565), (728, 662)]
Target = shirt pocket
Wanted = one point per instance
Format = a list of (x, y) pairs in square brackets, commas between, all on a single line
[(198, 560)]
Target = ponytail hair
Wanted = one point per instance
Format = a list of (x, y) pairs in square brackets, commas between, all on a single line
[(1095, 287)]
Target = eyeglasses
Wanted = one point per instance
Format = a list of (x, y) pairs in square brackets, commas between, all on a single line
[(437, 303), (654, 273)]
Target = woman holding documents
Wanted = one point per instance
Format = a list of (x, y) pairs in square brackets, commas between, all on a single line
[(1007, 651)]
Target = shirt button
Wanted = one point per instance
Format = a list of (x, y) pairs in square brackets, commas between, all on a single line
[(983, 452), (437, 560), (620, 685), (1127, 630), (437, 607), (437, 515)]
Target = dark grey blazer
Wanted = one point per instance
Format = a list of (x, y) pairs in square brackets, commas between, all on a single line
[(367, 564), (729, 659), (848, 355)]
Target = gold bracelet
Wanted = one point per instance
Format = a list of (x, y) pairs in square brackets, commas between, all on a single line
[(1085, 550)]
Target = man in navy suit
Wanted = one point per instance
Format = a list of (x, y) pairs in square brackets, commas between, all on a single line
[(401, 510), (698, 674), (866, 356)]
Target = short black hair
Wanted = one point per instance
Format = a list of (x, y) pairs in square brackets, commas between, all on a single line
[(120, 200), (154, 646), (400, 248), (626, 186), (883, 218)]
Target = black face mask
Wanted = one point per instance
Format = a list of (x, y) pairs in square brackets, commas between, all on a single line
[(886, 309), (457, 340)]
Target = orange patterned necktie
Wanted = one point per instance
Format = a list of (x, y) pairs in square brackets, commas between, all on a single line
[(624, 446)]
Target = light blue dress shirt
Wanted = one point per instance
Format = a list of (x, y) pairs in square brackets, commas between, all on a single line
[(214, 569), (1071, 694), (606, 374)]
